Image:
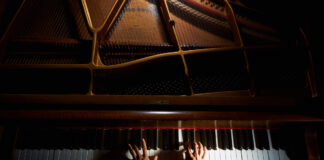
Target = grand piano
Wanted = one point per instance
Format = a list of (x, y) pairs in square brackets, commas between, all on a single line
[(82, 79)]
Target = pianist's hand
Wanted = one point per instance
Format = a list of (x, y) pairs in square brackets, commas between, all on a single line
[(137, 154), (199, 151)]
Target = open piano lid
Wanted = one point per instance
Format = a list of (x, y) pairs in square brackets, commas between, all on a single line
[(172, 52)]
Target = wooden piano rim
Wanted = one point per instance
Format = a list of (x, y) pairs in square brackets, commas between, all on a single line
[(237, 99), (152, 115)]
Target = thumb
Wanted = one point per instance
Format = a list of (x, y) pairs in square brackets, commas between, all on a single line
[(156, 158)]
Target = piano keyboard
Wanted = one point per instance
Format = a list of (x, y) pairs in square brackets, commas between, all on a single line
[(95, 144)]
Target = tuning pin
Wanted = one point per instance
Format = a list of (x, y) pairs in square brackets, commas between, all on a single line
[(171, 22)]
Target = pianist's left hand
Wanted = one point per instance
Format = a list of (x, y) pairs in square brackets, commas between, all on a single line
[(136, 154)]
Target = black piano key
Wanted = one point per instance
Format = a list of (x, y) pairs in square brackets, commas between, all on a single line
[(237, 138), (202, 137), (92, 138), (88, 138), (124, 139), (149, 135), (132, 137), (192, 136), (213, 137), (258, 139), (249, 139), (165, 140), (185, 136), (229, 139), (261, 139), (77, 138), (115, 139), (20, 140), (243, 139), (69, 139), (139, 138), (176, 137), (208, 139), (136, 137), (58, 139), (274, 133), (108, 139), (155, 139), (99, 138), (221, 139), (265, 139), (171, 139)]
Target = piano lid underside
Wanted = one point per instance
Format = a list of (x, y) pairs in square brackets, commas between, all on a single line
[(151, 48)]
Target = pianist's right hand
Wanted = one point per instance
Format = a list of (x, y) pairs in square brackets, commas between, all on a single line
[(136, 154), (198, 153)]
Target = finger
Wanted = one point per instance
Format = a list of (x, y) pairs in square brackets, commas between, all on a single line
[(156, 158), (200, 149), (144, 148), (196, 150), (189, 152), (139, 155), (204, 154), (132, 151)]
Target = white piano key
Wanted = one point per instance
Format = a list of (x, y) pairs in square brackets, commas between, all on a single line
[(265, 154), (50, 155), (74, 154), (218, 152), (151, 152), (273, 153), (180, 138), (17, 154), (84, 154), (45, 155), (229, 152), (207, 157), (80, 154), (260, 154), (34, 154), (181, 143), (228, 155), (57, 154), (251, 154), (128, 154), (257, 152), (222, 154), (90, 154), (23, 154), (212, 154), (283, 155), (29, 154), (40, 154), (236, 154), (244, 155), (68, 154), (63, 154)]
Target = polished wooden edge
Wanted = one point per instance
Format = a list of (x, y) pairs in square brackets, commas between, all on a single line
[(151, 115), (213, 100)]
